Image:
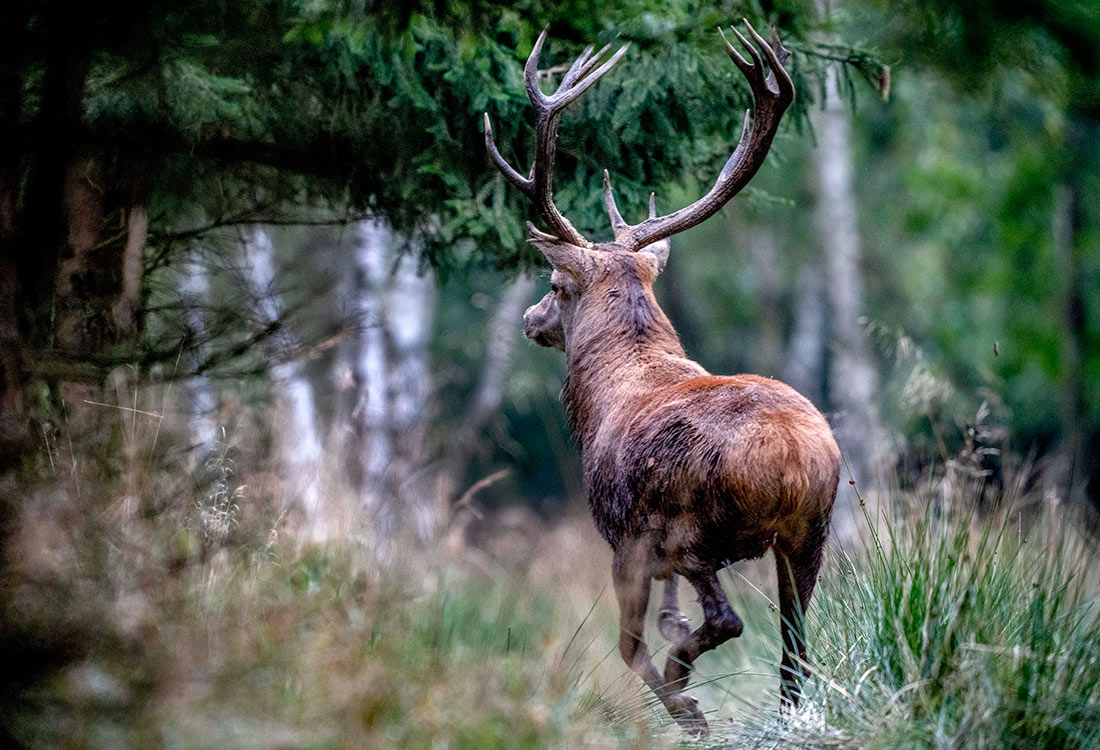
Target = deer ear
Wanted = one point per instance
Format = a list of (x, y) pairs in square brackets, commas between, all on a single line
[(660, 251), (562, 255)]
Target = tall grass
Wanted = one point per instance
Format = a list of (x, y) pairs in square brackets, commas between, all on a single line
[(955, 628), (199, 621)]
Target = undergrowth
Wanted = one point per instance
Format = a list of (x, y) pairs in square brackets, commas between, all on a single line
[(968, 623), (954, 628)]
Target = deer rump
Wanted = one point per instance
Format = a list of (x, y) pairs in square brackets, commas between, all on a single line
[(712, 470)]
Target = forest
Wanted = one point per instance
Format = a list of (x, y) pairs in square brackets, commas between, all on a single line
[(280, 469)]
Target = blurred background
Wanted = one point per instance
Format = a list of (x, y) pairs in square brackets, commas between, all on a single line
[(261, 297)]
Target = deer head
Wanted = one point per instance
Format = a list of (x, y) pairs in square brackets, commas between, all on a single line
[(582, 271)]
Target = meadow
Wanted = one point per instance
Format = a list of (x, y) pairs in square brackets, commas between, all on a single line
[(965, 616)]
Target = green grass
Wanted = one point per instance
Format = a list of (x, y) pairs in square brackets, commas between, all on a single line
[(954, 629), (949, 628)]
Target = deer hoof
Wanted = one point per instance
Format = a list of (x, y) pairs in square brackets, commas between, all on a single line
[(674, 626), (685, 710)]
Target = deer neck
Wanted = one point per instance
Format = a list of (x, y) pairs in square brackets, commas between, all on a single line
[(617, 354)]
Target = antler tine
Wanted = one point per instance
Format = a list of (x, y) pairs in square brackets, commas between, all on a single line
[(772, 94), (780, 51), (576, 80), (587, 80), (525, 184), (538, 235), (531, 74), (573, 73), (660, 248), (742, 64), (538, 186), (751, 70), (779, 77), (585, 68), (618, 226)]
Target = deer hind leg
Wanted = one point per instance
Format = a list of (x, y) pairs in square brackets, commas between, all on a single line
[(631, 576), (796, 572), (721, 624), (673, 624)]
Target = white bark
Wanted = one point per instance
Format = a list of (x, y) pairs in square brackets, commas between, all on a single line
[(504, 332), (298, 443), (194, 293), (396, 306), (373, 406), (137, 232), (410, 313), (853, 380), (501, 336)]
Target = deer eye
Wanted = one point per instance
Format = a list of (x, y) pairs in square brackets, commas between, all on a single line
[(555, 288)]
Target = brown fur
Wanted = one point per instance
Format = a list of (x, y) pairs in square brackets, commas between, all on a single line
[(685, 471)]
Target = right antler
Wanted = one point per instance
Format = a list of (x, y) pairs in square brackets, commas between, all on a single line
[(772, 94), (538, 185)]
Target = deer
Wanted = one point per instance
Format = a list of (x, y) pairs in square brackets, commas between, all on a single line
[(685, 472)]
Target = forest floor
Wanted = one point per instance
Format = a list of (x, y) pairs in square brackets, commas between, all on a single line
[(946, 627)]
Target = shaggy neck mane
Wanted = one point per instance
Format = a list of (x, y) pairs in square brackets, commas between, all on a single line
[(620, 341)]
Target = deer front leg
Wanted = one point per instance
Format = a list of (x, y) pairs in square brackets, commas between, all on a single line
[(673, 624), (630, 574)]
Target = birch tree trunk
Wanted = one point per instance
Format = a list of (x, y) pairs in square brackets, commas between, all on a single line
[(194, 292), (298, 443), (373, 405), (853, 379), (397, 310), (410, 316)]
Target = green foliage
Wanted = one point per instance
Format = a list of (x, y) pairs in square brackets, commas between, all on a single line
[(269, 108)]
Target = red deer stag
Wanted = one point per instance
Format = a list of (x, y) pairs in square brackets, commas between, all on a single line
[(686, 472)]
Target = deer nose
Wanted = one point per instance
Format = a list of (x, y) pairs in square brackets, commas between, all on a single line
[(528, 327)]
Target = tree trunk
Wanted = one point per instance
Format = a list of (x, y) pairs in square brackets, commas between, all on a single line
[(373, 403), (853, 379), (397, 308), (194, 292), (501, 336), (410, 316), (298, 444), (1068, 222)]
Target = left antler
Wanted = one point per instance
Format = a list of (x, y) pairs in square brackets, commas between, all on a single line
[(538, 186)]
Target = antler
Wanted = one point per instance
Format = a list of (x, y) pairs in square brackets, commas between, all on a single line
[(772, 94), (538, 185)]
